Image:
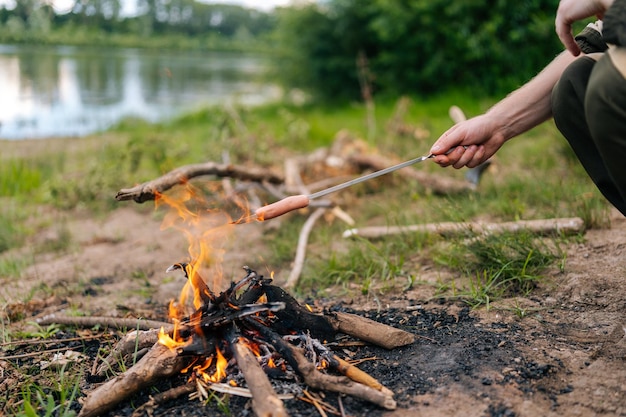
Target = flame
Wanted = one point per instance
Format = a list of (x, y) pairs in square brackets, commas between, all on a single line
[(173, 342), (207, 230), (271, 363), (323, 364), (220, 368)]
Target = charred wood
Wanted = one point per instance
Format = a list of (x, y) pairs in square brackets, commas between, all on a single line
[(296, 317), (316, 379)]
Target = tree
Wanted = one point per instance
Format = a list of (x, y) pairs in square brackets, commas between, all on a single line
[(415, 46)]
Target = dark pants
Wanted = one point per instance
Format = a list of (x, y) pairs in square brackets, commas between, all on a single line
[(589, 108)]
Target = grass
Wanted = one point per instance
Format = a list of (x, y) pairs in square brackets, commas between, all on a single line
[(499, 265)]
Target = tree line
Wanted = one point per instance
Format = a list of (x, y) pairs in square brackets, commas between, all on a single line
[(335, 49)]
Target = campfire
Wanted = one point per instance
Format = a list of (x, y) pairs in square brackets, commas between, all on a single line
[(252, 339)]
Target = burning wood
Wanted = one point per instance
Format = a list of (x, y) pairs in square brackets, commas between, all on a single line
[(254, 329)]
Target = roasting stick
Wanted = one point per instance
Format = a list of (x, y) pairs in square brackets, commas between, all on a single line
[(300, 201)]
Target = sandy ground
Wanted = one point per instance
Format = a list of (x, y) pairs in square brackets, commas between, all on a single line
[(574, 330)]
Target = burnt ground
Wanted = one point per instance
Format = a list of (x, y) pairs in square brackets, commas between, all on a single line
[(560, 351)]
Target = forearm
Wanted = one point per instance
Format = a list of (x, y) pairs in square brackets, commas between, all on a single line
[(529, 105)]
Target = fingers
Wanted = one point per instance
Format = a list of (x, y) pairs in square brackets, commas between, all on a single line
[(564, 31), (461, 156)]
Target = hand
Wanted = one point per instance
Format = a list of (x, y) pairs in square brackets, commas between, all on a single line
[(571, 11), (476, 140)]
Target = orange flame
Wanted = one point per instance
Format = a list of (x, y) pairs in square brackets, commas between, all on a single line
[(220, 368), (208, 231)]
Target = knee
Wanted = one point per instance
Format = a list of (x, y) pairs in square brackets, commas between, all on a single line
[(568, 95)]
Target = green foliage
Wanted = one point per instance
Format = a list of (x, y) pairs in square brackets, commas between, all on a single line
[(172, 23), (415, 46)]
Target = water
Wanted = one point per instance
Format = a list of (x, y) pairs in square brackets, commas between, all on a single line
[(70, 91)]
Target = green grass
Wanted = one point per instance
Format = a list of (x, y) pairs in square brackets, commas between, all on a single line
[(499, 265)]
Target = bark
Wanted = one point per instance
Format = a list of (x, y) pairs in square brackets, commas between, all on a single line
[(114, 322), (265, 402), (567, 226), (148, 190), (369, 330), (341, 384), (160, 362)]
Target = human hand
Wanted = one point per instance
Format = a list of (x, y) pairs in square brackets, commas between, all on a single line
[(474, 141), (570, 11)]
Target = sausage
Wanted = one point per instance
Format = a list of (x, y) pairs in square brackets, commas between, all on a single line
[(281, 207)]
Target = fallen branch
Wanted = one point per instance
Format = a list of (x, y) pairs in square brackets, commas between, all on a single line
[(148, 190), (571, 225), (91, 321), (370, 331), (160, 362)]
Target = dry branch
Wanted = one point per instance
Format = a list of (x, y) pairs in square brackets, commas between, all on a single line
[(147, 191), (294, 275), (161, 398), (91, 321), (370, 331), (159, 362), (570, 225), (265, 402), (357, 375), (340, 384)]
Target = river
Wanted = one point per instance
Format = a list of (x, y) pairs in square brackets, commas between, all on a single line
[(57, 91)]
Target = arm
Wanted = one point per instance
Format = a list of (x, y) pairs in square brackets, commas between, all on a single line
[(517, 113)]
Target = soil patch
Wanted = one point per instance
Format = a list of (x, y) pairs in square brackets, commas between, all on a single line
[(565, 356)]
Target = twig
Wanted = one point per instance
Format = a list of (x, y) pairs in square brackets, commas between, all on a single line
[(49, 341), (294, 275), (316, 403), (115, 322), (163, 397), (240, 391), (31, 354)]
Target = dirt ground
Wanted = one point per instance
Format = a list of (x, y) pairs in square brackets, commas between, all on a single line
[(565, 357)]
